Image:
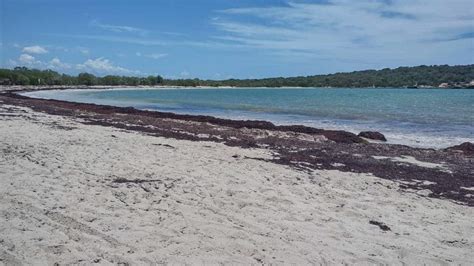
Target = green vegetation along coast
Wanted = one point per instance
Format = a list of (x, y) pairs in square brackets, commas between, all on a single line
[(444, 76)]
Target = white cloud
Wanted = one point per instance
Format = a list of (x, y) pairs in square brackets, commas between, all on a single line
[(31, 61), (119, 28), (103, 66), (56, 64), (36, 49), (27, 59), (138, 54)]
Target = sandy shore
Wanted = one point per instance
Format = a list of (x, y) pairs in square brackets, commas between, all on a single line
[(4, 88), (76, 193)]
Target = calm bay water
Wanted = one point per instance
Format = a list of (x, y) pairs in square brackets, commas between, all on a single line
[(421, 117)]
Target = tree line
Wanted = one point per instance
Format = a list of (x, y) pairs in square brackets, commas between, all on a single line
[(398, 77), (25, 76)]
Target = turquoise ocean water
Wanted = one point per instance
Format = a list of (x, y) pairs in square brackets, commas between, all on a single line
[(417, 117)]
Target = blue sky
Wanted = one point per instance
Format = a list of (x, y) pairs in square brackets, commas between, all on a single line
[(220, 39)]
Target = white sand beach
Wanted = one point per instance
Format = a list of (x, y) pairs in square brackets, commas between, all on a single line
[(201, 203)]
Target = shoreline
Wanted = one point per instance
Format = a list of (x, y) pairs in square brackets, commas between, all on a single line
[(305, 148), (28, 88), (438, 136)]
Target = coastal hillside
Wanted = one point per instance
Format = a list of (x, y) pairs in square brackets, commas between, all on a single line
[(444, 76), (432, 76)]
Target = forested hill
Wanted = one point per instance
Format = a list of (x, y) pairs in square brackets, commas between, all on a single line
[(434, 76)]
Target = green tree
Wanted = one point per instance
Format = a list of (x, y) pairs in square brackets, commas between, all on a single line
[(159, 79), (151, 80), (86, 79), (21, 79)]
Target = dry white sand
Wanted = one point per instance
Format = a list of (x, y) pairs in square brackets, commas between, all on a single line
[(203, 206)]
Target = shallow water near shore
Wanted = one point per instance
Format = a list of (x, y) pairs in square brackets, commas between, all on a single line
[(429, 118)]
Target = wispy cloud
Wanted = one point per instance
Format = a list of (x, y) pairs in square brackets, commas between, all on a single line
[(364, 29), (157, 56), (119, 28), (461, 36), (83, 50), (152, 55), (36, 49), (152, 41), (118, 39)]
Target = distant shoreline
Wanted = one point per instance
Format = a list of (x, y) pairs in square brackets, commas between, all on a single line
[(19, 88)]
